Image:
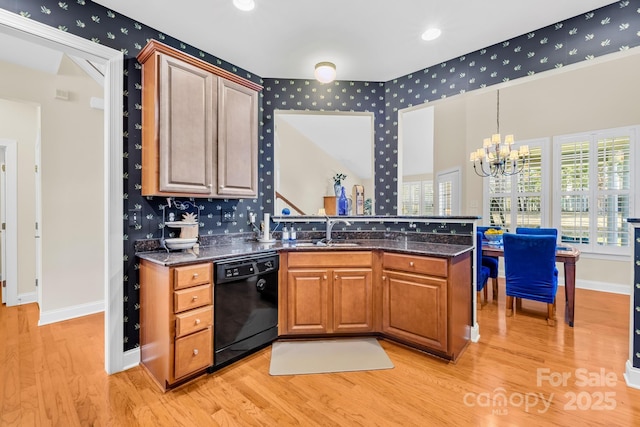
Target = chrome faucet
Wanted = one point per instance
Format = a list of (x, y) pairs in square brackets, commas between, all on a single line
[(330, 224)]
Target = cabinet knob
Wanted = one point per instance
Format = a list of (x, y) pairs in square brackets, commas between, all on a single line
[(197, 321), (195, 351), (195, 297), (195, 275), (336, 277), (324, 277), (221, 187), (411, 264), (384, 277)]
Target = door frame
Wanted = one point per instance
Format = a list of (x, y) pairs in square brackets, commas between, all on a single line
[(10, 247), (113, 61)]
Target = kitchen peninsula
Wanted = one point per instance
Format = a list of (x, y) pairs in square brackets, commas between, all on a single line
[(411, 287)]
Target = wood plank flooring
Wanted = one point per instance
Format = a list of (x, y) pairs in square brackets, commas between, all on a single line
[(522, 372)]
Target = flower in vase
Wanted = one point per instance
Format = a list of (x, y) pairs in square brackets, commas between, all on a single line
[(337, 178)]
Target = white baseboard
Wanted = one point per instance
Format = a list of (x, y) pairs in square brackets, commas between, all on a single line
[(632, 375), (67, 313), (475, 333), (613, 288), (27, 298), (131, 358)]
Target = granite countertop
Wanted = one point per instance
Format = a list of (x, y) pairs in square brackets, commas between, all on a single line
[(221, 251)]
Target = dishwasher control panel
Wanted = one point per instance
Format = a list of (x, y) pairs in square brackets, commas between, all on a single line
[(246, 266)]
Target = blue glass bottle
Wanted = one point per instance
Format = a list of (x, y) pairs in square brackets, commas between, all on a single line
[(343, 203)]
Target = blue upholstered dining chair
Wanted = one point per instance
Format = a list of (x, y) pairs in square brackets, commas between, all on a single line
[(530, 270), (492, 263), (482, 272), (537, 231)]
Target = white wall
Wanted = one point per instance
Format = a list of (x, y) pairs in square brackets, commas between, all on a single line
[(72, 185)]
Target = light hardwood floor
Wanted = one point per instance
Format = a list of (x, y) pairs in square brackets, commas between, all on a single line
[(522, 372)]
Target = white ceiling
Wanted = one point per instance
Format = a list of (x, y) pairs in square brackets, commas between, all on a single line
[(368, 40), (30, 55)]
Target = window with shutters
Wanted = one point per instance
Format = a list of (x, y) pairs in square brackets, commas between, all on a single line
[(417, 198), (594, 187), (520, 200), (448, 184)]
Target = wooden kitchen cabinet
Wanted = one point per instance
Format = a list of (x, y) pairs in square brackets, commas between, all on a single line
[(199, 127), (426, 301), (176, 321), (237, 140), (327, 292)]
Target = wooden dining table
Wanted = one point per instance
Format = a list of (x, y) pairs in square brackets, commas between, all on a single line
[(565, 254)]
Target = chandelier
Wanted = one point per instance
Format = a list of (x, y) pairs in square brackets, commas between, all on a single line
[(497, 157)]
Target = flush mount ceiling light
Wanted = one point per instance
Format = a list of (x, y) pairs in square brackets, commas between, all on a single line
[(325, 72), (245, 5), (431, 34)]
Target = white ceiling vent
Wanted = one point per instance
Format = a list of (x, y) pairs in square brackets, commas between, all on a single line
[(62, 94)]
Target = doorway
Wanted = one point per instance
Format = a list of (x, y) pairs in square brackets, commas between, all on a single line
[(112, 227), (448, 182)]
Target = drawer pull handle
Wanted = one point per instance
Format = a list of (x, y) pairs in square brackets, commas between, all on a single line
[(195, 351), (411, 264), (197, 321), (195, 275)]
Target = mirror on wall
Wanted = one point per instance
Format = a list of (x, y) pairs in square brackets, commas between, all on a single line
[(311, 148), (415, 161)]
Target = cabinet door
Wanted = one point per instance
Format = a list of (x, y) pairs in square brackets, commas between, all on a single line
[(352, 300), (193, 353), (187, 129), (307, 301), (237, 140), (414, 309)]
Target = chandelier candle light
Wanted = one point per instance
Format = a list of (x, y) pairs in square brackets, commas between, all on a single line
[(497, 157)]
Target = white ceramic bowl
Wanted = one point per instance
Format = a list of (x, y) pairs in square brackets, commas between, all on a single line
[(178, 243)]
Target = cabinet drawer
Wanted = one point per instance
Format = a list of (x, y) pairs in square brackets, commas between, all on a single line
[(330, 259), (191, 275), (193, 320), (415, 264), (193, 353), (186, 299)]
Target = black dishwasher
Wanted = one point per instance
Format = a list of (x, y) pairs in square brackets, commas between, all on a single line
[(245, 306)]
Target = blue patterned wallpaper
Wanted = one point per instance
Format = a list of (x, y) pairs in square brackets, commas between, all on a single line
[(609, 29)]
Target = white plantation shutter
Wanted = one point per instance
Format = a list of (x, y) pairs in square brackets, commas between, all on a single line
[(613, 191), (445, 198), (520, 200), (427, 198), (417, 198), (594, 186), (529, 195), (410, 198), (574, 190)]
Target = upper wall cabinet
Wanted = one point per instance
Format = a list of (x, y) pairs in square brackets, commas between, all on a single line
[(199, 127)]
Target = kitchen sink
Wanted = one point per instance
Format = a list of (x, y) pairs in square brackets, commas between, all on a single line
[(330, 244)]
